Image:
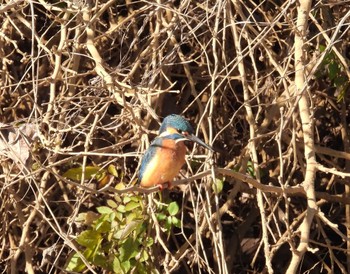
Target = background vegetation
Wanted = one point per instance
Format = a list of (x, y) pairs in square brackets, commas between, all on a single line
[(84, 85)]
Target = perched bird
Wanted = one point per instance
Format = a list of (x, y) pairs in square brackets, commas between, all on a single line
[(166, 154)]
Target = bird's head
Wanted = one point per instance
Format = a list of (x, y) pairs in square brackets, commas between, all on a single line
[(176, 124)]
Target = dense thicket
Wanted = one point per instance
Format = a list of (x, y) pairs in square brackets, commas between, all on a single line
[(84, 83)]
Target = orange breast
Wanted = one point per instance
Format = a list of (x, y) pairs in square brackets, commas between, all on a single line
[(166, 163)]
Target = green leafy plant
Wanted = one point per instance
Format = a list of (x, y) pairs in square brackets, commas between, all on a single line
[(332, 68), (101, 175), (167, 216), (117, 239)]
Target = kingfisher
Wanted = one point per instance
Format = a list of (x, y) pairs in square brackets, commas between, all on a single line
[(164, 158)]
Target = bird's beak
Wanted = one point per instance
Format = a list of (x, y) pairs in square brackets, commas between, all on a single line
[(194, 138)]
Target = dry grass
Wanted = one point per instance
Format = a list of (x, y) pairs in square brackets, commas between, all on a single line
[(85, 83)]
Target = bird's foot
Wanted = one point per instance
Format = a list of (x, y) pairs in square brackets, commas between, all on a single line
[(164, 186)]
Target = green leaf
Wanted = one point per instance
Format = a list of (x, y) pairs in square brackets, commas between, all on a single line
[(117, 269), (131, 206), (218, 186), (117, 234), (168, 223), (126, 199), (250, 169), (76, 264), (77, 173), (100, 260), (129, 228), (136, 198), (322, 48), (141, 228), (112, 216), (119, 216), (144, 256), (103, 226), (173, 208), (81, 218), (161, 216), (117, 198), (128, 250), (112, 204), (141, 269), (104, 210), (90, 252), (89, 238), (130, 217), (112, 170), (333, 70), (121, 208), (149, 241), (176, 222), (120, 186), (126, 266)]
